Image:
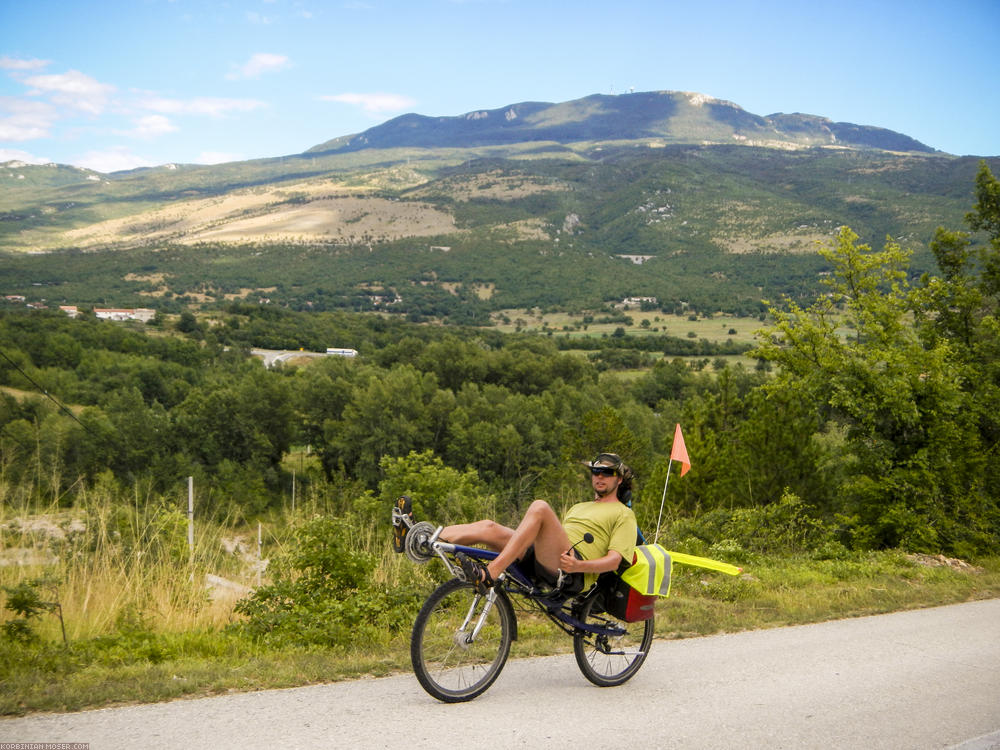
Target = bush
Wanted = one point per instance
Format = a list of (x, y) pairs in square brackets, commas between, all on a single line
[(440, 493), (786, 526), (323, 594), (25, 601)]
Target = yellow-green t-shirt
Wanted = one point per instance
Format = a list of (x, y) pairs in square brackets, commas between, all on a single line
[(612, 524)]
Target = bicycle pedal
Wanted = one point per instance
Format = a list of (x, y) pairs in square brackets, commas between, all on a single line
[(402, 522)]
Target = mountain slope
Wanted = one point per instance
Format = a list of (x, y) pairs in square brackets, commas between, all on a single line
[(680, 197), (667, 116), (703, 227)]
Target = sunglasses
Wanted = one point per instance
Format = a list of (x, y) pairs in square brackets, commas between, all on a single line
[(602, 471)]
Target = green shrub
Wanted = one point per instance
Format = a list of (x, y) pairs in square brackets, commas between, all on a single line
[(785, 526), (440, 493), (782, 526), (25, 601), (323, 594)]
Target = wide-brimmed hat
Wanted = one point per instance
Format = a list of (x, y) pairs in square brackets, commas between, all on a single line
[(605, 460), (611, 461)]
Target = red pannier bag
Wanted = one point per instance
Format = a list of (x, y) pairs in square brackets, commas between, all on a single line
[(624, 602)]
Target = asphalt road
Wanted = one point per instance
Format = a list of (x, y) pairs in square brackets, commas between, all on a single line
[(922, 679), (271, 356)]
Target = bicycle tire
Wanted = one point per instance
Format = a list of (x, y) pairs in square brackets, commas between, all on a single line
[(447, 666), (610, 661)]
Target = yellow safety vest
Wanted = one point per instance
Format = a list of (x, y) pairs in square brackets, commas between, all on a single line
[(649, 573)]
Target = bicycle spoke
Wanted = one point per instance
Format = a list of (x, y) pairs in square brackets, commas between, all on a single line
[(608, 660), (450, 664)]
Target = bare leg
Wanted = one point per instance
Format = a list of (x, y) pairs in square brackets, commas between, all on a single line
[(541, 527), (488, 533)]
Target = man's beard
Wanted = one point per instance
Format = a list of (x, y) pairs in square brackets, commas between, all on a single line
[(606, 493)]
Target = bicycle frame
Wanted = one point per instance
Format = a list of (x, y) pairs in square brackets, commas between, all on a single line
[(557, 606), (461, 639)]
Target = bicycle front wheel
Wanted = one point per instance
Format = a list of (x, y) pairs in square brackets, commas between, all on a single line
[(450, 662), (610, 660)]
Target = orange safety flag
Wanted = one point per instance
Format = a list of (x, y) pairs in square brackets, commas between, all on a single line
[(679, 452)]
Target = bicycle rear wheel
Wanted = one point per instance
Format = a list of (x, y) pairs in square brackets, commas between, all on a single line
[(450, 664), (605, 660)]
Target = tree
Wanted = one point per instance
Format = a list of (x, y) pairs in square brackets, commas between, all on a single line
[(439, 492), (897, 396), (247, 420), (962, 306), (187, 323), (139, 433), (397, 412)]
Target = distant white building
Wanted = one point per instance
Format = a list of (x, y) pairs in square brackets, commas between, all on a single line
[(143, 314), (342, 352), (70, 310), (639, 300)]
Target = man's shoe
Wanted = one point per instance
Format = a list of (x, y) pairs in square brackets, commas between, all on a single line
[(475, 573), (402, 520)]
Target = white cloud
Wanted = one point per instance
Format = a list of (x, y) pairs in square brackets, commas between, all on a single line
[(150, 126), (73, 89), (14, 154), (111, 160), (373, 104), (259, 63), (51, 107), (217, 157), (25, 119), (12, 63), (258, 18), (204, 105)]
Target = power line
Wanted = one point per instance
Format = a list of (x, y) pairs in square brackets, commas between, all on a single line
[(47, 395)]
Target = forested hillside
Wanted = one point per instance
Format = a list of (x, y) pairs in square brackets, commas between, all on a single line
[(700, 228), (569, 206), (886, 436)]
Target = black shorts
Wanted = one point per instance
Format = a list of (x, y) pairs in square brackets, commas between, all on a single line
[(572, 583)]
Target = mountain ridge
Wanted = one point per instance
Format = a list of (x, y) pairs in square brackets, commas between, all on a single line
[(670, 116)]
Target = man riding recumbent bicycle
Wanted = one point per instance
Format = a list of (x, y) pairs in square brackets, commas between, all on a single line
[(568, 570)]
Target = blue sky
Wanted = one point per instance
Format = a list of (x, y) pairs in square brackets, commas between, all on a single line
[(118, 84)]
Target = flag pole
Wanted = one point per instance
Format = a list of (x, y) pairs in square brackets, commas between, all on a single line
[(663, 499), (679, 451)]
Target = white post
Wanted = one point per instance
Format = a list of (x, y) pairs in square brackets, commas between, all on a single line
[(260, 545), (191, 525), (662, 500), (293, 492)]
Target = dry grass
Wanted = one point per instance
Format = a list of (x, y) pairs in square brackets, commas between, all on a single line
[(110, 564), (322, 210), (789, 242), (338, 220), (250, 216)]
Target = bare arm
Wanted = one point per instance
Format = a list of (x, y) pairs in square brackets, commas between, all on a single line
[(568, 563)]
